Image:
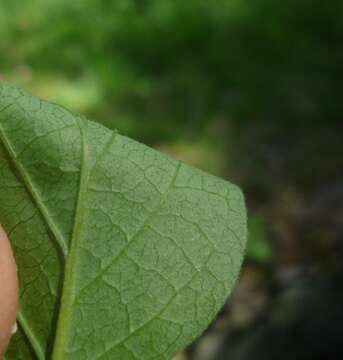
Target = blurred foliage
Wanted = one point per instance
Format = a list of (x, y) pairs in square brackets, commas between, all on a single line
[(259, 249), (247, 90), (163, 62)]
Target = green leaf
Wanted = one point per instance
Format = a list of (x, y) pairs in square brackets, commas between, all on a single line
[(122, 252)]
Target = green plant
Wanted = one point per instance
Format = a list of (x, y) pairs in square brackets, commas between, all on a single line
[(122, 252)]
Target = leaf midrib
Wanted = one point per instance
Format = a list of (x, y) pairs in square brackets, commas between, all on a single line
[(68, 293)]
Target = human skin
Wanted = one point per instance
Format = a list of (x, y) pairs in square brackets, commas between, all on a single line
[(8, 292)]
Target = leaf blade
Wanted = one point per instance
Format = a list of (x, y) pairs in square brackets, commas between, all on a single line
[(153, 246)]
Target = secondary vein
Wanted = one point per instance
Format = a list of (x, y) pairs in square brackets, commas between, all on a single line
[(33, 341), (137, 233), (32, 191)]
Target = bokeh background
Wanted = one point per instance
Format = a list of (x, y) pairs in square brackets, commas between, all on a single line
[(250, 90)]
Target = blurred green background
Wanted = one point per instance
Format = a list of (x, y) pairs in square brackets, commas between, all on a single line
[(247, 90)]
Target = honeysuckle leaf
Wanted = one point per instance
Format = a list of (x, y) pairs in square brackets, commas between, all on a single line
[(122, 252)]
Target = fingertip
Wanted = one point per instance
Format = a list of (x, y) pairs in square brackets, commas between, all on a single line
[(8, 291)]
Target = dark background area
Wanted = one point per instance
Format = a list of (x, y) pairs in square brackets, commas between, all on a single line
[(247, 90)]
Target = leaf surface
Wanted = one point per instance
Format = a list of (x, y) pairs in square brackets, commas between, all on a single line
[(122, 252)]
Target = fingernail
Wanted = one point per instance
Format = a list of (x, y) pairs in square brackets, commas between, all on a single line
[(14, 328)]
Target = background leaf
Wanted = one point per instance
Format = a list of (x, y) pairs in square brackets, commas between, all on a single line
[(122, 252)]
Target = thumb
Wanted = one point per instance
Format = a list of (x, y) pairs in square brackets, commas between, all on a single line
[(8, 292)]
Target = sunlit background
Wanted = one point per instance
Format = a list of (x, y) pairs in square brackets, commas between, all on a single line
[(247, 90)]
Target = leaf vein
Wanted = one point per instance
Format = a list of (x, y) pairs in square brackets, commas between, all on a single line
[(122, 252), (33, 192), (35, 345)]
